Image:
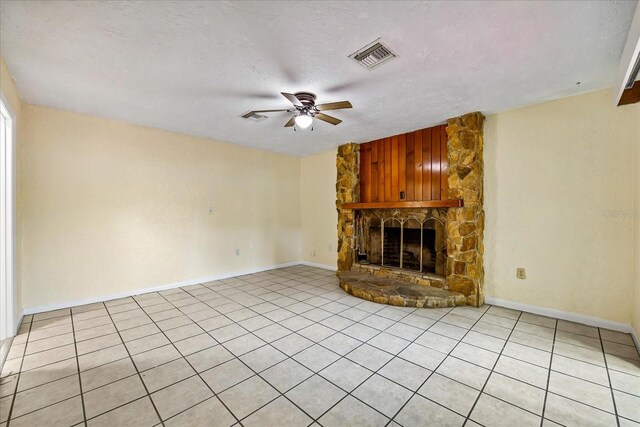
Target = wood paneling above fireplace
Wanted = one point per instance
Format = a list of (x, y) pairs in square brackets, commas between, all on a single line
[(405, 171)]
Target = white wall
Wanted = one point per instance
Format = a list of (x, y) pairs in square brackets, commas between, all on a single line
[(318, 208), (553, 174), (110, 207)]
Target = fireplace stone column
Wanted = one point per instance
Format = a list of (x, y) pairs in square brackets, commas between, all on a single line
[(465, 227), (347, 191)]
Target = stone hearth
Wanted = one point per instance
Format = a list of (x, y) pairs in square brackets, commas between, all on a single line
[(460, 264)]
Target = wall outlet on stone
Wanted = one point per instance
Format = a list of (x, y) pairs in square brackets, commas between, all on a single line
[(520, 273)]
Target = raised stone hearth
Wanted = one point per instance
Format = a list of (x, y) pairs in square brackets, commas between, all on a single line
[(385, 290)]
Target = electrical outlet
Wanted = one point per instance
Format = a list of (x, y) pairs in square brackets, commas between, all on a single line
[(520, 273), (237, 252), (330, 247), (210, 211)]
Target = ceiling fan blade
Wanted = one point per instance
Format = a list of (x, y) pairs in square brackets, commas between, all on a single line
[(291, 122), (334, 106), (268, 111), (292, 99), (327, 119)]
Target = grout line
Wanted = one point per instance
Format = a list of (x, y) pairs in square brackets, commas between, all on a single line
[(139, 376), (15, 392), (491, 373), (75, 346), (546, 389), (613, 397)]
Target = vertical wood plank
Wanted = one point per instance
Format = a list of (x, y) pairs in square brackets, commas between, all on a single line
[(395, 162), (381, 168), (444, 164), (373, 183), (427, 153), (387, 169), (402, 165), (418, 164), (435, 164), (365, 173), (411, 170)]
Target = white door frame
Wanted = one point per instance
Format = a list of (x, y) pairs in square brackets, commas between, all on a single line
[(8, 312)]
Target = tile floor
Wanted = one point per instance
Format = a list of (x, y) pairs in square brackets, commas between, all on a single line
[(287, 347)]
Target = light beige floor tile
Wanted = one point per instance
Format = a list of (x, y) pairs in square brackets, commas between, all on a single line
[(191, 391), (65, 413), (226, 375), (95, 331), (47, 357), (263, 358), (628, 405), (208, 358), (210, 413), (195, 343), (98, 343), (139, 413), (405, 373), (102, 357), (167, 374), (422, 412), (516, 392), (105, 374), (286, 375), (352, 412), (315, 395), (581, 391), (571, 413), (47, 373), (452, 394), (493, 412), (156, 357), (38, 397), (523, 371), (583, 370), (147, 343), (479, 356), (103, 399), (5, 407), (49, 343), (625, 382), (280, 412), (382, 394), (464, 372), (370, 357)]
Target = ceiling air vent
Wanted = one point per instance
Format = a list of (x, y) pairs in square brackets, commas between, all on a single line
[(373, 55), (254, 117)]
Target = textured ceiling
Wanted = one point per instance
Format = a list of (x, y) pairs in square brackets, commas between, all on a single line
[(194, 67)]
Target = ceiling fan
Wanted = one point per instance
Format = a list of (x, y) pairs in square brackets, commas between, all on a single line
[(306, 110)]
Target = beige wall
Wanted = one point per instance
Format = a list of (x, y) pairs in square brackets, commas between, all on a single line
[(552, 171), (318, 208), (110, 207)]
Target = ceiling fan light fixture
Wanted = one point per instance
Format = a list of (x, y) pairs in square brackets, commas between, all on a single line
[(303, 120)]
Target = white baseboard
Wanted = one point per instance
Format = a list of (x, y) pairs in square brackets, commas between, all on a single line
[(565, 315), (91, 300), (323, 266)]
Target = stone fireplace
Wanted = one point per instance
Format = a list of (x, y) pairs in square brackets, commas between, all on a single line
[(434, 247)]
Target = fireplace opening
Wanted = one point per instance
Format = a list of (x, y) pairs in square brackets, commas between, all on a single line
[(408, 244)]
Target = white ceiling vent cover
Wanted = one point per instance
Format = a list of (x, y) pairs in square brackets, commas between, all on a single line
[(373, 55)]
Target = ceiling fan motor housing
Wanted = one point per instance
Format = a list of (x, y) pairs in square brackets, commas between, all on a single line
[(307, 99)]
